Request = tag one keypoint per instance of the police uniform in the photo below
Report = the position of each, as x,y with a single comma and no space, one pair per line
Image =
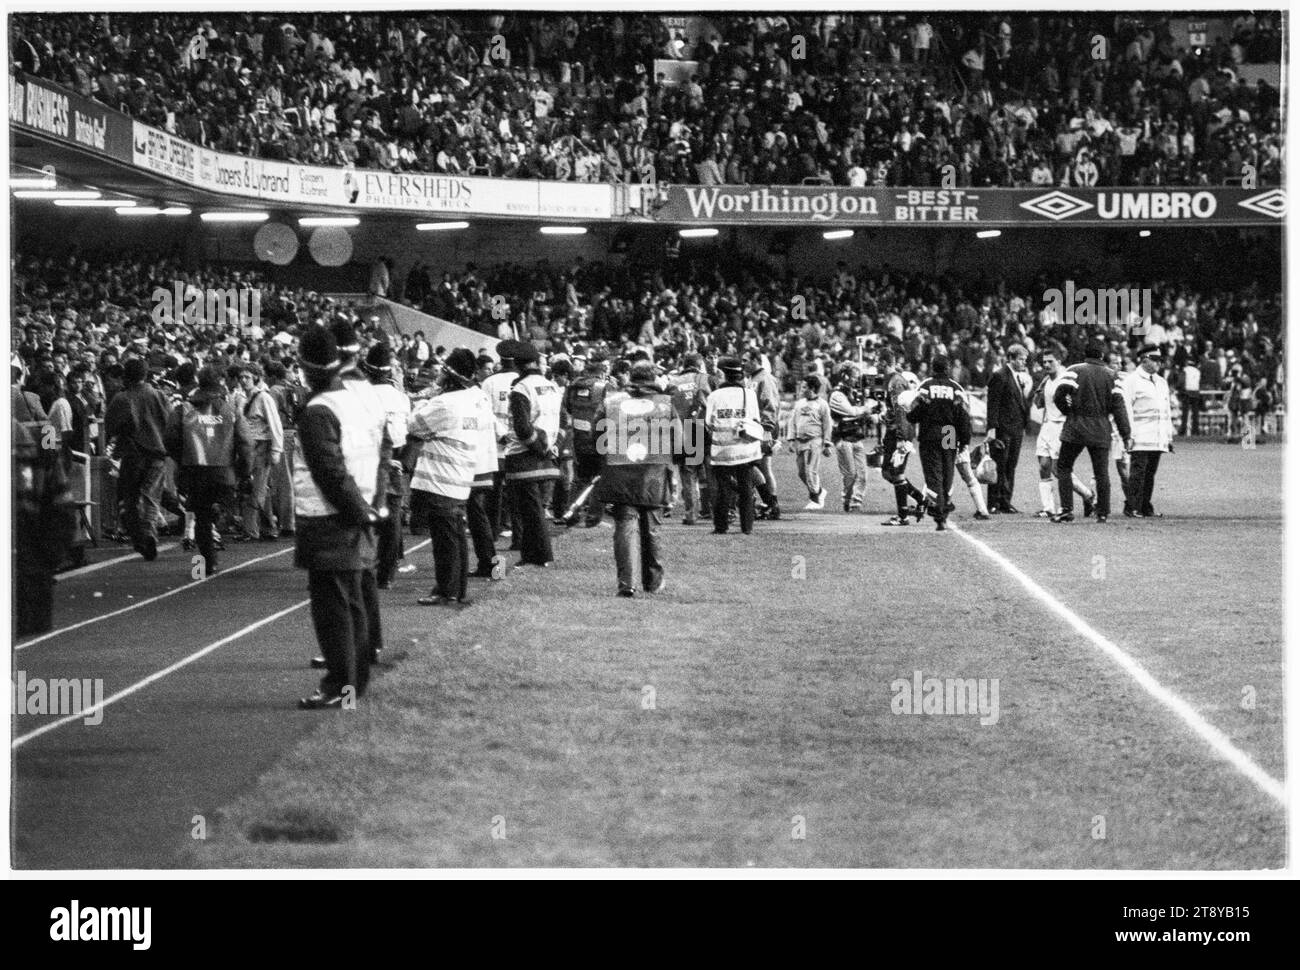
339,478
941,413
1147,397
530,454
1089,396
213,447
396,408
583,400
641,433
448,427
731,419
689,390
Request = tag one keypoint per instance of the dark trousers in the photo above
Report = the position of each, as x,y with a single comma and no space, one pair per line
389,534
139,489
628,521
1192,405
480,527
528,497
1100,455
895,472
585,469
500,509
694,488
938,465
559,503
1006,458
208,502
450,543
342,602
733,481
1142,481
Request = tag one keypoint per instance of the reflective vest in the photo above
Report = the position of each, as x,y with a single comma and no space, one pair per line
585,398
638,430
729,409
207,439
361,435
497,388
544,409
688,389
447,463
485,453
397,411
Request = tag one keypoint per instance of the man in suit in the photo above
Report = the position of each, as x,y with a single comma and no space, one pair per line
1008,413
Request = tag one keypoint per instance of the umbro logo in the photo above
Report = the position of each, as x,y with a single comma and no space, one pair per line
1056,205
1270,203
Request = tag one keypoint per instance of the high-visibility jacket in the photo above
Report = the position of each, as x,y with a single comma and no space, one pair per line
361,428
638,430
1147,397
497,388
449,453
583,399
486,462
729,410
544,410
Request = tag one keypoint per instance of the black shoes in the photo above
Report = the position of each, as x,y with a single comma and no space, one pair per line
321,701
1063,517
148,547
898,520
435,600
939,526
1087,508
1010,510
982,516
1102,519
627,594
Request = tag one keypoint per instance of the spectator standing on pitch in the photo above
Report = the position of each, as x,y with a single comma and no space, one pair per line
641,434
397,411
135,422
769,406
941,412
288,395
1090,398
850,412
339,480
213,448
1008,413
531,451
810,431
447,426
731,420
1146,393
263,417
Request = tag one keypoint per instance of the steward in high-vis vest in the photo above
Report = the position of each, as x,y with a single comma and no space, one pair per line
732,422
212,446
478,507
497,388
340,475
639,435
397,410
530,451
690,393
448,429
582,400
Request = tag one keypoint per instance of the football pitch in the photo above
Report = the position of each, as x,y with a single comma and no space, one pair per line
827,692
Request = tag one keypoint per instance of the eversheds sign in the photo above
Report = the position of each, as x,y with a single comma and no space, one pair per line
448,194
59,113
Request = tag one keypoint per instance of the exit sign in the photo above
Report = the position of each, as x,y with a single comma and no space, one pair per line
1196,34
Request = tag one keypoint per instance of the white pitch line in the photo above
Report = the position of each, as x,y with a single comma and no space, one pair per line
1202,728
82,570
157,675
145,602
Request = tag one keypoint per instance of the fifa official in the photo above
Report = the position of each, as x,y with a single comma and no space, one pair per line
1089,396
339,478
941,413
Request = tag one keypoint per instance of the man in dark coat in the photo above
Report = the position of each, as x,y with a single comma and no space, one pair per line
1008,413
637,435
135,423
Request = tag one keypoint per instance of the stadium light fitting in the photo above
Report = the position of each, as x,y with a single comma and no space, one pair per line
564,230
1144,233
329,221
838,234
438,226
988,234
177,210
46,182
242,215
697,233
95,203
56,194
138,210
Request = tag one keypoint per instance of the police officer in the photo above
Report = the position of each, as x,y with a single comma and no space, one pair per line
690,391
1089,396
213,447
477,516
339,478
641,433
448,428
497,388
582,400
731,419
397,410
1147,394
941,412
531,452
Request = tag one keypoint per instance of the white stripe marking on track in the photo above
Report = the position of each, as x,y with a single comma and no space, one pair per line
1199,726
145,602
104,564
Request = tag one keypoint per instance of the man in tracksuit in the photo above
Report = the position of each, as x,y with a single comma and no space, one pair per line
212,446
810,431
769,406
340,474
941,412
1089,395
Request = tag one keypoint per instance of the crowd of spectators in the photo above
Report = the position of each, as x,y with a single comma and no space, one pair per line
973,99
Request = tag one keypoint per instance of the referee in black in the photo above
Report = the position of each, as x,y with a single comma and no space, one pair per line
941,413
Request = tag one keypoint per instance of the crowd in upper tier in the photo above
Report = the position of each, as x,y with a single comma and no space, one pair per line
966,99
